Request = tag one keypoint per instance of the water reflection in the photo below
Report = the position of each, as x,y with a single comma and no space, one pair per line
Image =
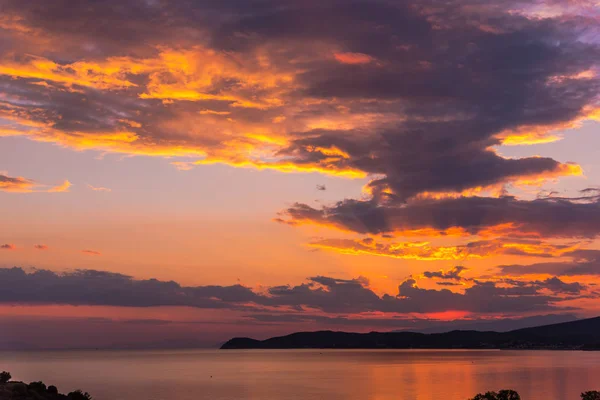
309,374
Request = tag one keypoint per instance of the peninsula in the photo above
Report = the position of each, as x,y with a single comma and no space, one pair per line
576,335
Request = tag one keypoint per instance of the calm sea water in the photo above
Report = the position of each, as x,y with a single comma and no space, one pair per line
309,374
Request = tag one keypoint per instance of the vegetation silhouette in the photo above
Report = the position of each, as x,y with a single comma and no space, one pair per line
593,395
501,395
512,395
10,390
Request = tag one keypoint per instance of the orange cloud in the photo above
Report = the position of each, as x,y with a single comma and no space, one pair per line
23,185
64,187
425,251
8,246
353,58
539,134
190,75
41,247
15,184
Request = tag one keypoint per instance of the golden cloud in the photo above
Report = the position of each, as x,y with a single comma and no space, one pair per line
23,185
425,251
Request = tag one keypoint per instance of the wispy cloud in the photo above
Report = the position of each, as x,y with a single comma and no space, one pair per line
64,187
23,185
98,188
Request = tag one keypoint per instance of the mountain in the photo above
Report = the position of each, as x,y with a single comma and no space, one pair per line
500,325
575,335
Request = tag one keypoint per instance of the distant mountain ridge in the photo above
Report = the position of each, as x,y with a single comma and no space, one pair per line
575,335
500,325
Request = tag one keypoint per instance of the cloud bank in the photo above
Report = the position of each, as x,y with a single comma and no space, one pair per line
325,294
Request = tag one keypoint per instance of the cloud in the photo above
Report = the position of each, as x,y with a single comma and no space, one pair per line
327,294
15,184
41,247
64,187
91,252
8,246
104,288
427,252
583,262
415,95
487,216
99,189
321,187
453,274
555,285
24,185
353,58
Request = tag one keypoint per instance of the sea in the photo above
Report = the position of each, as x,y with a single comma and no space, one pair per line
309,374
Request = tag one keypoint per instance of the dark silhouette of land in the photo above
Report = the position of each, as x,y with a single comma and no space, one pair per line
10,390
576,335
512,395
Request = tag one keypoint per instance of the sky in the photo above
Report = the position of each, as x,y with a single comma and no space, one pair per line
178,173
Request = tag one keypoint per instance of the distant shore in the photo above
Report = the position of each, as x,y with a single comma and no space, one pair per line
575,335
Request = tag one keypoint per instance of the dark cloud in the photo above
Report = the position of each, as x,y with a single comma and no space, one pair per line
546,217
88,287
8,246
452,274
458,88
583,262
434,88
330,295
554,284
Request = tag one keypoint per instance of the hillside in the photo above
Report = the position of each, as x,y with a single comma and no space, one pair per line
575,335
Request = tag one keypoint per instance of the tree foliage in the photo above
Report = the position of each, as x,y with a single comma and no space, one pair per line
79,395
593,395
5,376
501,395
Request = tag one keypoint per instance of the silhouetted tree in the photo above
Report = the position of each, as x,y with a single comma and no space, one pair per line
501,395
39,387
5,376
79,395
52,389
19,388
594,395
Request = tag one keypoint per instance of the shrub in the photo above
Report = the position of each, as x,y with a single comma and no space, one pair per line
39,387
5,376
52,389
501,395
19,388
590,395
79,395
512,395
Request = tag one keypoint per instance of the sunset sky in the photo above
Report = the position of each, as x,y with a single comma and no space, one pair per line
177,173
